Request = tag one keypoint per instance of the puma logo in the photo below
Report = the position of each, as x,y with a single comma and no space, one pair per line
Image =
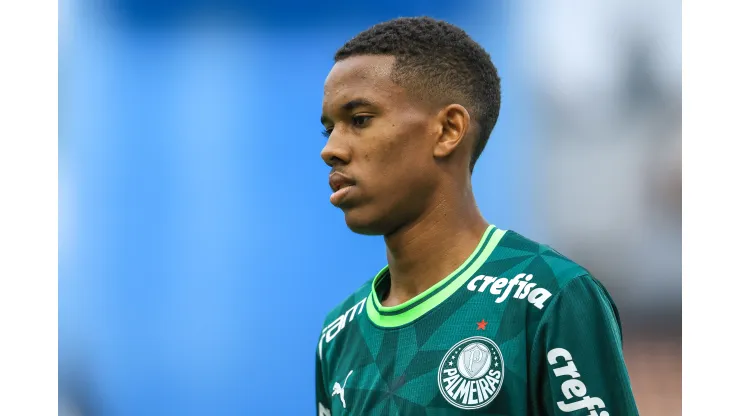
340,389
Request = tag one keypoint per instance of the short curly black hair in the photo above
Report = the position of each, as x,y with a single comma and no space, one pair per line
439,61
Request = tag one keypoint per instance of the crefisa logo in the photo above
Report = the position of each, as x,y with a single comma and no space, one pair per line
471,373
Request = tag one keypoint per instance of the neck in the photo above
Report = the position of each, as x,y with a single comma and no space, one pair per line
425,251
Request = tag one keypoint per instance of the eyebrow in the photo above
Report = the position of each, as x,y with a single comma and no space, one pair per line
349,106
359,102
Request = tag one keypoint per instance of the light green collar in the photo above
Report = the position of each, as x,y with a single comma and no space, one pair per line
413,309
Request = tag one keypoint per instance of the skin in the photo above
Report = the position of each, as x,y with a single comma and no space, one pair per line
408,160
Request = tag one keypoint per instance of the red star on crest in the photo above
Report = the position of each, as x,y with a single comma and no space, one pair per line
482,324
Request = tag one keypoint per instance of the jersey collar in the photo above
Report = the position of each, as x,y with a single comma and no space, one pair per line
413,309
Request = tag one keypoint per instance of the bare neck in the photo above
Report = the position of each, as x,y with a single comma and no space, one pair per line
427,250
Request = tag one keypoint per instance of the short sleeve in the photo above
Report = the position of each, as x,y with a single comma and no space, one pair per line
577,361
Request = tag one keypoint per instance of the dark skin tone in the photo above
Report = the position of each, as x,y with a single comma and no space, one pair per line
403,165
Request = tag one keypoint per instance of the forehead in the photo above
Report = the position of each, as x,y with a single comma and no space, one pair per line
365,76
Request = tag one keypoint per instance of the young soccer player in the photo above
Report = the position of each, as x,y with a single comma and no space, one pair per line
466,318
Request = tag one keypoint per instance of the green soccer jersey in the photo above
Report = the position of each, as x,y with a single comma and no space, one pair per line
518,329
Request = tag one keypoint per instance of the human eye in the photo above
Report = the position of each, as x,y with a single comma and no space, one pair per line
360,120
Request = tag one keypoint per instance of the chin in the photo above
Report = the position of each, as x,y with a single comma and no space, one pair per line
366,222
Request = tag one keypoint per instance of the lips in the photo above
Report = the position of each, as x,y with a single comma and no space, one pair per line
342,187
337,181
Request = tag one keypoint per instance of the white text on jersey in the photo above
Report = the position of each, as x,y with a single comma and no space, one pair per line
572,386
331,331
323,411
525,289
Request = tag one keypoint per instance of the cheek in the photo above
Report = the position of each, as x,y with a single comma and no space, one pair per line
395,156
384,151
401,166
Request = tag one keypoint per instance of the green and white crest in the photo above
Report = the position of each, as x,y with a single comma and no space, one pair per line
471,373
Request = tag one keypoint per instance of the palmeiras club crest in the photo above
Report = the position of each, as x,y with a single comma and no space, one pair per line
471,373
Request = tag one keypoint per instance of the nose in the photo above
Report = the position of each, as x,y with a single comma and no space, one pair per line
335,152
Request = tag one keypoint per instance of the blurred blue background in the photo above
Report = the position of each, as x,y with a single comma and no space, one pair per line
198,252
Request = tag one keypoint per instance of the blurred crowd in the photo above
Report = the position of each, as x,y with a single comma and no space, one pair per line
605,79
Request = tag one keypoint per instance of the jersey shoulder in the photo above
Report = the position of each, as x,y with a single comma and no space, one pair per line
522,268
561,283
341,317
528,279
357,297
542,260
